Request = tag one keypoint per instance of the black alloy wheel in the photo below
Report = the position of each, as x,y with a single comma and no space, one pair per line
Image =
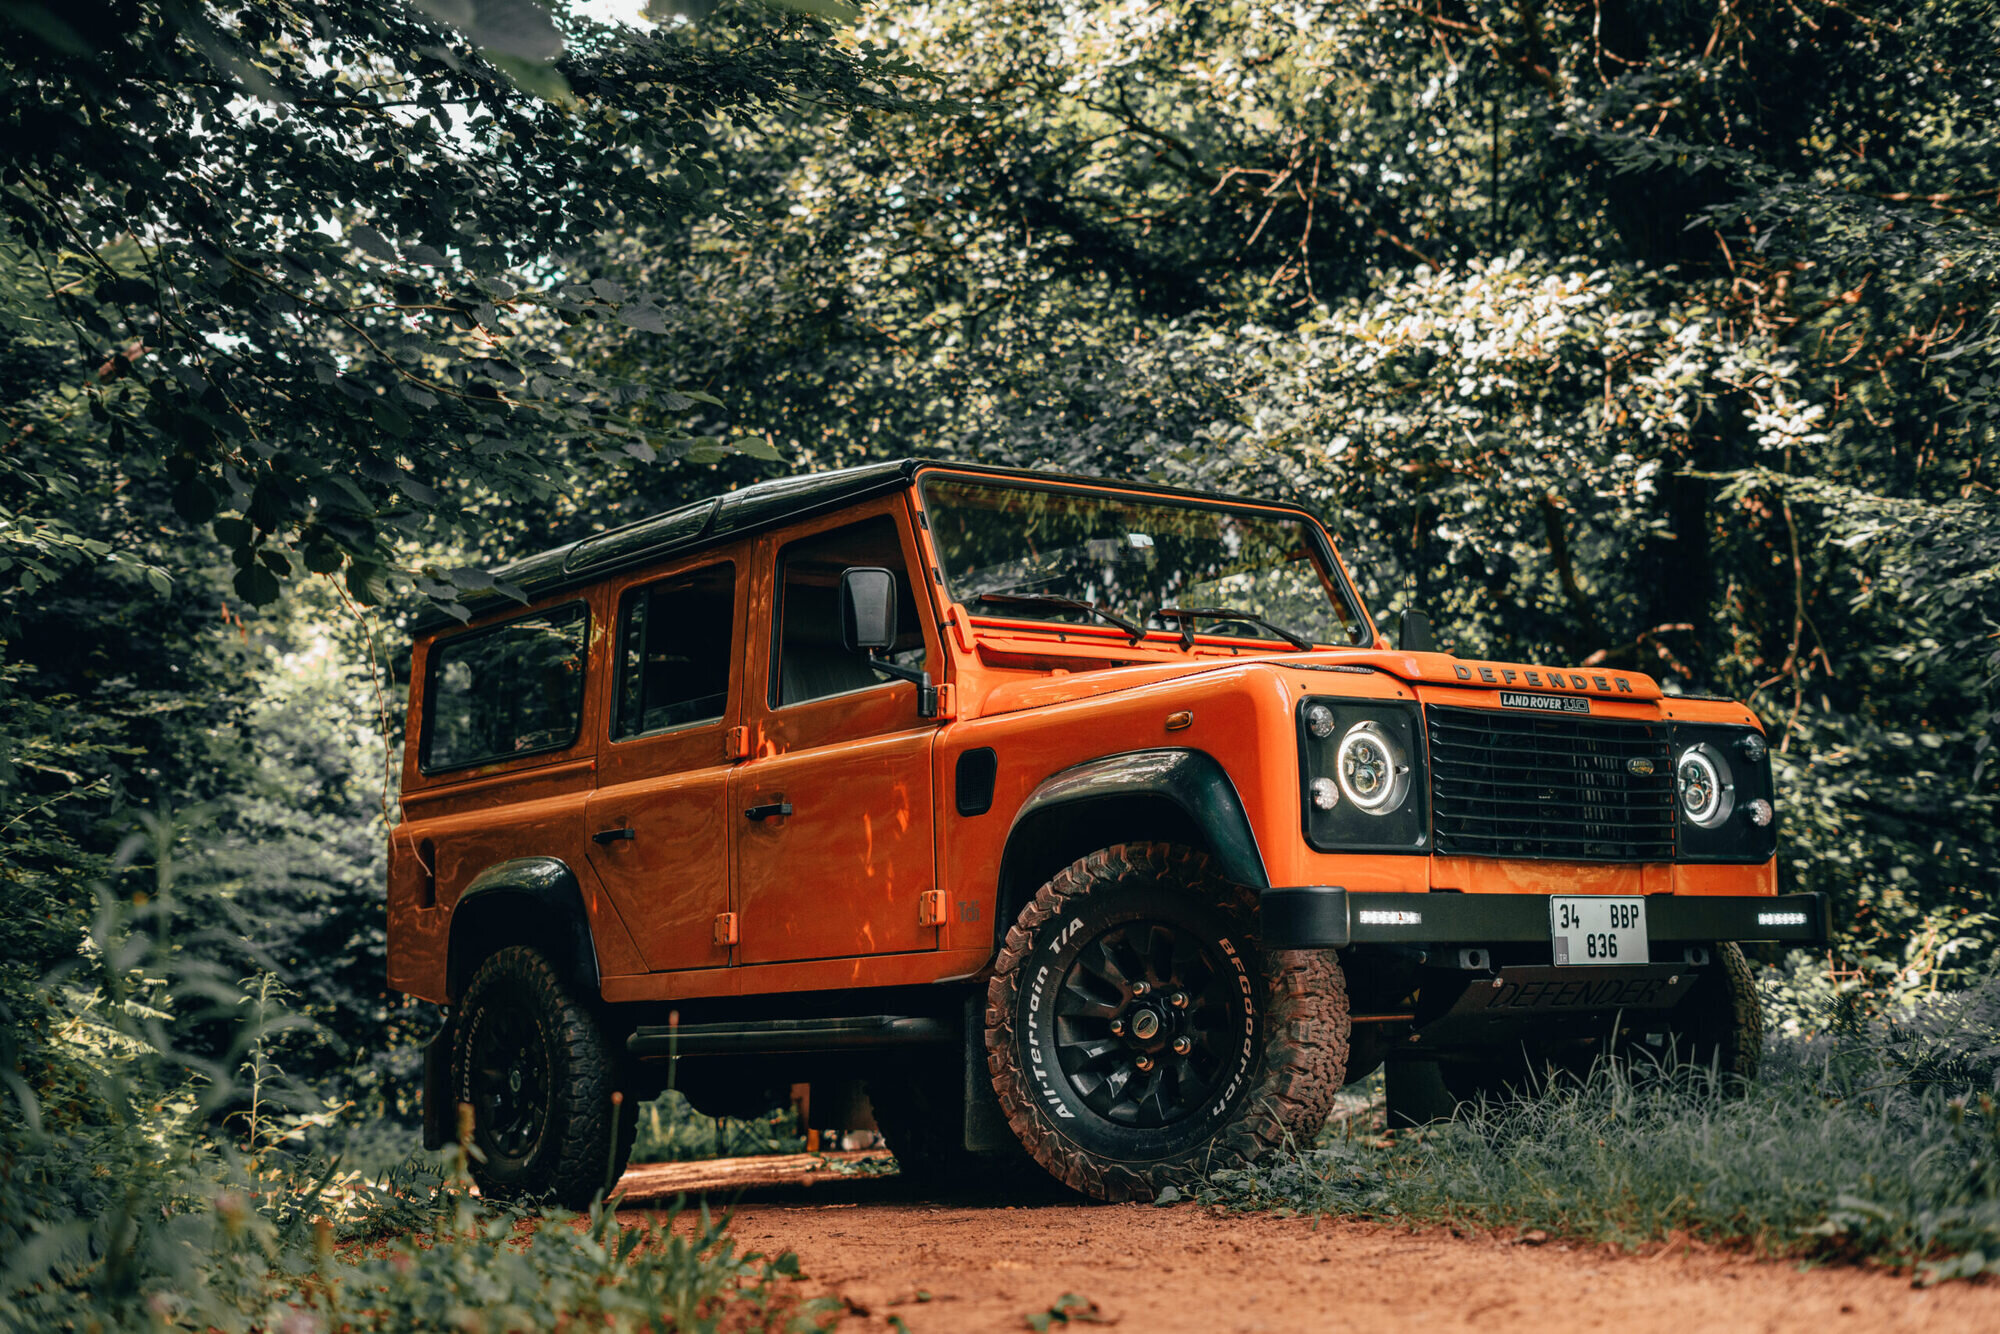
538,1070
1151,1022
510,1078
1138,1038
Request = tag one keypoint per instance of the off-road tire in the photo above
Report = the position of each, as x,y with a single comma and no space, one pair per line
1285,1085
581,1142
1725,1018
922,1122
921,1114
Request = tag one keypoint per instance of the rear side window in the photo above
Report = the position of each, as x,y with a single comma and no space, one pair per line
674,651
512,690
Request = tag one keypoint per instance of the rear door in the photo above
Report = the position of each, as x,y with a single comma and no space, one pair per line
658,822
831,816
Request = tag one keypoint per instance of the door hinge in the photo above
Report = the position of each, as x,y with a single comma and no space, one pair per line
930,908
725,928
736,743
947,701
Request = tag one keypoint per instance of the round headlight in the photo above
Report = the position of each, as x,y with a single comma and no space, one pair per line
1374,773
1707,788
1319,721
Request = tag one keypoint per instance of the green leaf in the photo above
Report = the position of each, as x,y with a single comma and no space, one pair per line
193,501
256,585
644,318
322,557
390,418
372,242
368,583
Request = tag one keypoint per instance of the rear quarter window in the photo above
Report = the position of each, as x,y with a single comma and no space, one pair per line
506,691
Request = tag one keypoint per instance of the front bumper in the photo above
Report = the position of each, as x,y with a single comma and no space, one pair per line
1311,917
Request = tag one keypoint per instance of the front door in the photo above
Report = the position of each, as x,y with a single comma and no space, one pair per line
832,811
659,822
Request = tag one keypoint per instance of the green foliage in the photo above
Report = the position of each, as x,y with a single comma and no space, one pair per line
1879,1140
672,1131
127,1203
383,335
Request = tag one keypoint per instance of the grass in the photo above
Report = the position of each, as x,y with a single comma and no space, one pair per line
672,1131
1877,1141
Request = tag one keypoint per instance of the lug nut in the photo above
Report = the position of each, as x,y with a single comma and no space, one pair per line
1141,989
1144,1063
1178,1000
1182,1046
1117,1028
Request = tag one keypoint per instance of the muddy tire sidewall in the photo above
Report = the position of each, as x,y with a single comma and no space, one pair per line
1283,1067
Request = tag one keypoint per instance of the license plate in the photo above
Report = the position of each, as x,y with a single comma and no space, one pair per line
1593,929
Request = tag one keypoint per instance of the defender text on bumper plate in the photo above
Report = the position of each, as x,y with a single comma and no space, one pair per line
1305,917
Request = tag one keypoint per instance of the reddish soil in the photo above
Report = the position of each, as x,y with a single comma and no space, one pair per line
959,1266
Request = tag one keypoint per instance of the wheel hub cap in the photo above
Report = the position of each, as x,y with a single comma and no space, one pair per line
1148,1019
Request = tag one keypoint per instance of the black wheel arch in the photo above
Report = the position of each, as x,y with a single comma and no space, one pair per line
1177,796
523,901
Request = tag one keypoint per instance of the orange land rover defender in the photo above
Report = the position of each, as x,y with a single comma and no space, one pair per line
1090,821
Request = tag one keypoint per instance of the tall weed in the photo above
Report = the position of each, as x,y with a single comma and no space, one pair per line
1879,1140
145,1183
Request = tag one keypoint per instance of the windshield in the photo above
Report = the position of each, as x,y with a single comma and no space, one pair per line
1041,553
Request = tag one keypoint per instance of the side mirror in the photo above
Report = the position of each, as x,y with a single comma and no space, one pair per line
867,609
1413,633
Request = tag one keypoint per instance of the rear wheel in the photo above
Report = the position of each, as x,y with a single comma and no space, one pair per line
1138,1038
538,1071
920,1111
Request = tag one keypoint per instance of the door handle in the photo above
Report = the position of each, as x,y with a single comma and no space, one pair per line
769,809
610,836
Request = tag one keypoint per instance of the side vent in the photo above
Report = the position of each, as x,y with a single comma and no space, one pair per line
974,785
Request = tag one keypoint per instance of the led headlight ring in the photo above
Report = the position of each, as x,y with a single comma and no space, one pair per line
1372,769
1707,788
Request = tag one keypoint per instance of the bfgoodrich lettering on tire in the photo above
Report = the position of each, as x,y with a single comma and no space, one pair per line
1137,1036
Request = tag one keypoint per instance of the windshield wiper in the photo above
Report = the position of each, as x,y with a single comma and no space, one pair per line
1187,616
1132,628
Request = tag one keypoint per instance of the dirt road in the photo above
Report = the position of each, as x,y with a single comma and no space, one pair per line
967,1266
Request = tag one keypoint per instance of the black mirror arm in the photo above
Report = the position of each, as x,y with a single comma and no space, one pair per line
927,695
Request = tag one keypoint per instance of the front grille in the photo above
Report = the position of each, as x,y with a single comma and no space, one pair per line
1507,784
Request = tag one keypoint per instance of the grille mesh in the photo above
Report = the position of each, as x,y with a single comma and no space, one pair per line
1507,784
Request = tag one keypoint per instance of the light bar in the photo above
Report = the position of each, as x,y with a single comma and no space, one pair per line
1385,917
1781,919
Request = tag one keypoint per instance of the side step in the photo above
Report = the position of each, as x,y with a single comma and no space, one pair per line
768,1037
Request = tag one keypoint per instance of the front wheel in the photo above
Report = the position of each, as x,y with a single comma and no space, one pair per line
538,1072
1137,1036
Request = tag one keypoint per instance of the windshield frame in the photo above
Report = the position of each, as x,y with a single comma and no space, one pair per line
1315,531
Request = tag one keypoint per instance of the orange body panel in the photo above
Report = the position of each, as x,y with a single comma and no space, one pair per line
828,896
